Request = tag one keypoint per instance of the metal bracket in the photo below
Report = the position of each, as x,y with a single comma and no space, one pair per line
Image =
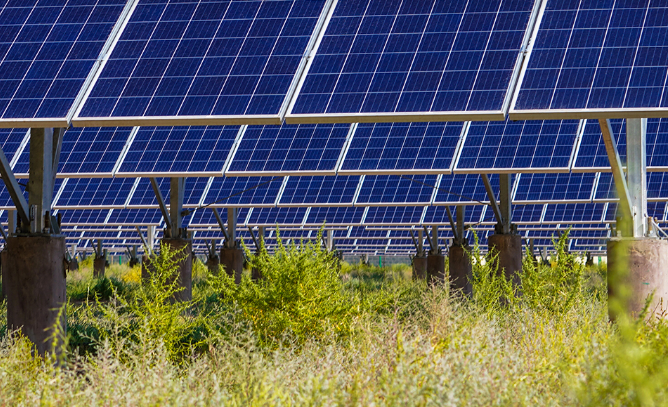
618,175
161,203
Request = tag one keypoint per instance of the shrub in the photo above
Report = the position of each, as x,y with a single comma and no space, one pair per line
554,288
300,295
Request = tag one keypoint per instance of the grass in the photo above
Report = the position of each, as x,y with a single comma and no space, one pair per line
311,334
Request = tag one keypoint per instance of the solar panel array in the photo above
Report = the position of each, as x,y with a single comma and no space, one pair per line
207,86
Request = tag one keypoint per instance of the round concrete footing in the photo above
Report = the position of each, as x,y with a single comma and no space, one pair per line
436,269
419,268
460,269
213,265
99,265
185,272
508,249
34,278
636,269
232,261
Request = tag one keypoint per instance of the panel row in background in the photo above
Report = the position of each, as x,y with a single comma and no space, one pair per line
325,149
339,191
590,222
583,237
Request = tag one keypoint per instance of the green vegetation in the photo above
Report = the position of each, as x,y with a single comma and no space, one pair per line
310,333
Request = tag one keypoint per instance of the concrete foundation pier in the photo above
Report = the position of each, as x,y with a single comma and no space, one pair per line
232,260
34,276
3,262
436,269
509,255
637,267
145,267
99,265
459,265
213,264
185,272
419,268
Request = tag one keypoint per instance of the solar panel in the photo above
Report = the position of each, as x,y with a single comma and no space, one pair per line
273,216
464,188
47,50
392,189
223,62
165,151
438,215
580,212
657,187
402,147
290,149
329,216
433,60
555,187
524,146
244,191
94,150
596,59
394,215
320,190
592,155
80,217
89,192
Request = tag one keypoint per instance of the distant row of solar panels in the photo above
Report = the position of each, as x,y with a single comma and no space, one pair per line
340,191
112,63
329,149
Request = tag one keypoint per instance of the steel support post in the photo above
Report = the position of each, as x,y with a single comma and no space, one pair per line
636,161
638,261
34,270
435,260
176,194
231,256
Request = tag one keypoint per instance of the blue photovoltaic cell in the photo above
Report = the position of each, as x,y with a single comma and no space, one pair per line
592,149
205,216
395,189
92,150
179,149
403,146
136,216
273,216
547,187
427,56
526,213
592,153
144,194
320,190
204,58
77,217
581,212
319,216
306,147
521,144
398,214
222,189
47,49
95,191
438,214
657,186
10,140
465,188
602,54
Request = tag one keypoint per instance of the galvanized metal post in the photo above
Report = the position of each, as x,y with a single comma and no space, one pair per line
330,240
636,131
40,181
505,186
176,206
11,221
150,231
434,239
231,227
420,243
461,212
